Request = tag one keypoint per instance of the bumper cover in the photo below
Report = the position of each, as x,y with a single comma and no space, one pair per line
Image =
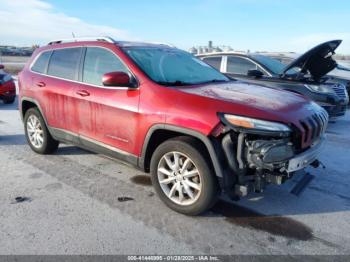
306,158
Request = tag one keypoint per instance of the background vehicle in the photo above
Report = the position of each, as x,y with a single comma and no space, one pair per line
7,87
341,74
305,75
170,114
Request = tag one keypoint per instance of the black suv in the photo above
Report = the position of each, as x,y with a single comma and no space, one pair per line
304,75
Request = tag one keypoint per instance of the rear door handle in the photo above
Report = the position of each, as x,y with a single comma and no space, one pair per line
40,84
83,93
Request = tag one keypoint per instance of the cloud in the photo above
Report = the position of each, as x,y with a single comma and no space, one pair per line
27,22
308,41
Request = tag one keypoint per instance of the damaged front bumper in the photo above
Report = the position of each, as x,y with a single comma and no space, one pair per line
257,161
306,158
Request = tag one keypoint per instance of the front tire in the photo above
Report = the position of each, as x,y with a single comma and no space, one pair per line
37,134
182,177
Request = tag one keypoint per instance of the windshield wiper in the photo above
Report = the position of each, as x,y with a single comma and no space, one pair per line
174,83
213,81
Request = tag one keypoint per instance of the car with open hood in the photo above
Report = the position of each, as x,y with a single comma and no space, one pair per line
161,109
303,75
340,74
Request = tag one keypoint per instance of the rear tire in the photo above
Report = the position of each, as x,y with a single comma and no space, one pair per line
189,185
37,134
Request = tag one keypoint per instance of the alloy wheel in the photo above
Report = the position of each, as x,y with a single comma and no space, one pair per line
35,131
179,178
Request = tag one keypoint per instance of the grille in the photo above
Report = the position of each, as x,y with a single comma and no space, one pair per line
340,90
313,127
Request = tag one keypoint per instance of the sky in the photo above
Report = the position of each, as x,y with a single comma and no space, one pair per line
256,25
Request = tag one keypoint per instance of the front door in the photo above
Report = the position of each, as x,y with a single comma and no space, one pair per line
107,115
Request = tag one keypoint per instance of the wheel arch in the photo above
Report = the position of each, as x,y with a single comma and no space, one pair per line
162,132
27,103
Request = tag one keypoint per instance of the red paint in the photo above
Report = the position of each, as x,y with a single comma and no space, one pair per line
8,89
122,117
116,79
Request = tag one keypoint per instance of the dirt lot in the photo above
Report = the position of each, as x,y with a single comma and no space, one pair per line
71,205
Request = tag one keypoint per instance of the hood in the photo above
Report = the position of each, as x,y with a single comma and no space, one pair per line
250,95
318,60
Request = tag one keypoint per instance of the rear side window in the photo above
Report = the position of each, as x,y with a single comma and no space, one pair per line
99,61
239,65
64,63
41,62
213,61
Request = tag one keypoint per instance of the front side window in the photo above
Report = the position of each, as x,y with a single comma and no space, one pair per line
275,66
213,61
99,61
64,63
41,62
272,64
239,65
171,66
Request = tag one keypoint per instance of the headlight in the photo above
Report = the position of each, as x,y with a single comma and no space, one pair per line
320,89
255,124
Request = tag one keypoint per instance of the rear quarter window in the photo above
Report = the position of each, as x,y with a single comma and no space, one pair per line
64,63
41,62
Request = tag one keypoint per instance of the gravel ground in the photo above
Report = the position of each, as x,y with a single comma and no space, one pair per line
70,205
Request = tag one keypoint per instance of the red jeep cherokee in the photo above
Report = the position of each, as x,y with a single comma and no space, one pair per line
168,113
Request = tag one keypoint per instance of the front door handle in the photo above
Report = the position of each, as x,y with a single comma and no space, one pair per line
40,84
83,93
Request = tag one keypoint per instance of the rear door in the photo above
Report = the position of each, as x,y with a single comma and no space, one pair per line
108,115
54,83
63,72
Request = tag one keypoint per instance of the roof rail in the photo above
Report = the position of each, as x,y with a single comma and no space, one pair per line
80,39
162,43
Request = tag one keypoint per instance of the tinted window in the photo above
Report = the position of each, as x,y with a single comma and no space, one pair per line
64,63
213,61
41,63
275,66
98,62
239,65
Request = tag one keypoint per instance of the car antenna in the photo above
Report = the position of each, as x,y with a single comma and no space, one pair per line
73,35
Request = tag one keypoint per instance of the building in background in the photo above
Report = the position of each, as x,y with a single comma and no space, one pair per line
210,48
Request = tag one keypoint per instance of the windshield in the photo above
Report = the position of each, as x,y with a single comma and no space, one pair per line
170,66
273,65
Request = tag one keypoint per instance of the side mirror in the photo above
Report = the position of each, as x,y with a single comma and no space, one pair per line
2,67
118,79
255,73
